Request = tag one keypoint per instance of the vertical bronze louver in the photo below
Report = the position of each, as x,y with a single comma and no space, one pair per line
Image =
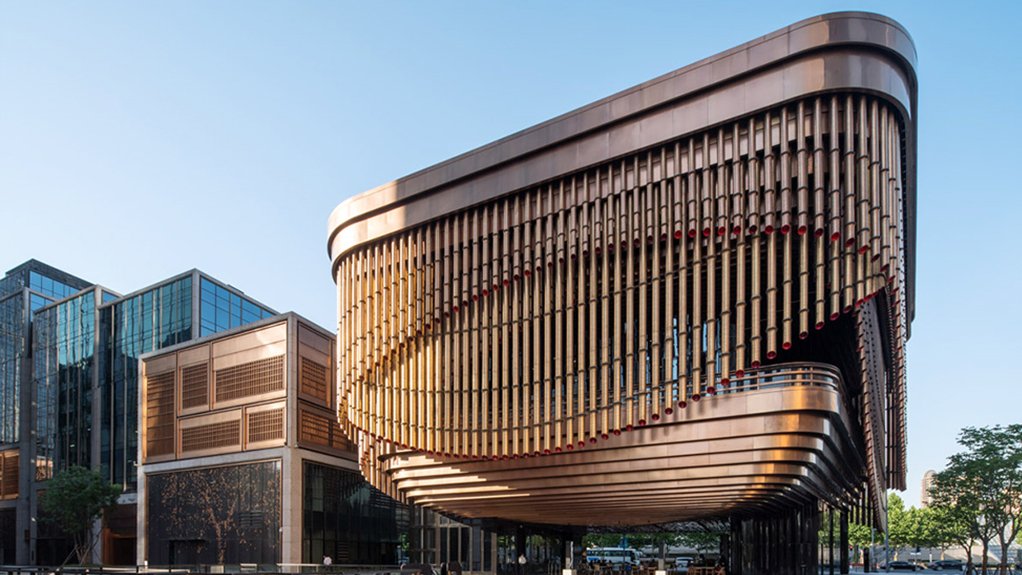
718,318
726,229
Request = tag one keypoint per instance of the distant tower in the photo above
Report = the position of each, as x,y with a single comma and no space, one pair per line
925,499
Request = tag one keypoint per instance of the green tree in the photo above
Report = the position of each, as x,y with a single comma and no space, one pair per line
899,523
951,524
73,500
923,529
859,536
702,541
981,488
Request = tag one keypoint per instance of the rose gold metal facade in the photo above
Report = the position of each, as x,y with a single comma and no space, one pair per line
685,300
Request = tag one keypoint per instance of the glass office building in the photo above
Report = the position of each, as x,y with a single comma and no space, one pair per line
25,289
70,349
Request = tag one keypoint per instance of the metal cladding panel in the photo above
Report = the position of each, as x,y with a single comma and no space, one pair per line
707,226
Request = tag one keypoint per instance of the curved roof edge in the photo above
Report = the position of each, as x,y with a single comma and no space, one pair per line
861,30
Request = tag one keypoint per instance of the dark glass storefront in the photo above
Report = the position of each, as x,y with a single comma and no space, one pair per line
346,518
217,515
7,532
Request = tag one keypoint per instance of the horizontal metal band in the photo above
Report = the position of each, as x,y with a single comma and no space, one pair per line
756,450
845,53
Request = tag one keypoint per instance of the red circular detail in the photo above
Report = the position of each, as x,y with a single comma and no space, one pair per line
849,242
570,446
546,452
591,440
740,373
617,432
752,230
768,230
721,230
846,309
692,233
605,436
819,325
864,249
834,316
557,449
786,345
669,411
818,233
724,381
755,364
656,417
706,232
475,297
642,422
785,229
835,236
803,334
506,282
710,390
628,427
695,397
802,230
682,404
771,354
677,234
528,273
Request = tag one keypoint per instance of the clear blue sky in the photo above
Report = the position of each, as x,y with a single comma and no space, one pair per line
138,140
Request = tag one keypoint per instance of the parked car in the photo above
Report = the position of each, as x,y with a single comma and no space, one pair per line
901,566
947,565
681,564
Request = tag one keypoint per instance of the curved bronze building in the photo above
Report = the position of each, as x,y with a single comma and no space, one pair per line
686,301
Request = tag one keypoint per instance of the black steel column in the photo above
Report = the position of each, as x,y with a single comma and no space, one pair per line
844,543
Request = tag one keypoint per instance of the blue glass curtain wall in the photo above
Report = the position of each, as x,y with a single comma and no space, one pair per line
12,343
222,309
151,320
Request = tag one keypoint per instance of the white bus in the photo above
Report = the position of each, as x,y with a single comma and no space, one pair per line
613,555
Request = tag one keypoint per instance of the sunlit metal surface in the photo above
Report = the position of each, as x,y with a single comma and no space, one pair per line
544,319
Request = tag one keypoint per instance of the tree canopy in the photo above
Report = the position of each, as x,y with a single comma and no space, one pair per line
73,499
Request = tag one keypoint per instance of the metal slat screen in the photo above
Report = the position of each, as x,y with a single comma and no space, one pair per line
160,414
265,425
195,386
313,380
249,379
211,436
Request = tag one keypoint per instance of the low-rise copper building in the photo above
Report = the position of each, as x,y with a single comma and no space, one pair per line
687,301
243,460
